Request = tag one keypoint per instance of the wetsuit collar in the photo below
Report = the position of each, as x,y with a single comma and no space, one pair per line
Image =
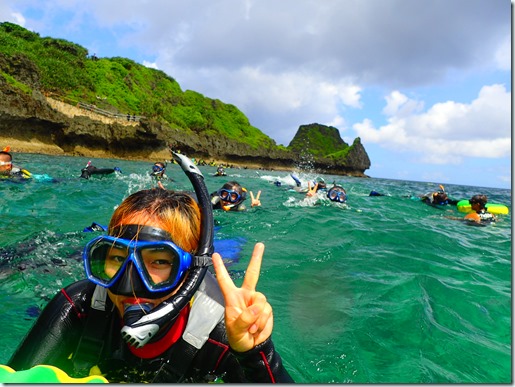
154,349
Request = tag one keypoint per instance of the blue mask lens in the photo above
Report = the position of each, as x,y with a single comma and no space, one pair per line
337,196
160,264
157,168
230,196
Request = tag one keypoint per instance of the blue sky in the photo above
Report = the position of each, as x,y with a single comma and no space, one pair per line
426,85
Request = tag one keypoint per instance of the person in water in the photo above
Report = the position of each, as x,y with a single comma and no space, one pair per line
159,171
90,170
438,198
151,311
480,214
8,170
315,186
220,171
230,197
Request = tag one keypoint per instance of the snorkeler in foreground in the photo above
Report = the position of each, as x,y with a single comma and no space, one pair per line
150,311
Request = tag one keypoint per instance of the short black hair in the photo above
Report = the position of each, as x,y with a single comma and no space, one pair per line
481,199
6,153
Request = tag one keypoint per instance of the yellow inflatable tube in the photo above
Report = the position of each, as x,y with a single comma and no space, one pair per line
44,374
497,209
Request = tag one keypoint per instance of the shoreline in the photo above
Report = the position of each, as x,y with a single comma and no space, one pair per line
35,146
38,147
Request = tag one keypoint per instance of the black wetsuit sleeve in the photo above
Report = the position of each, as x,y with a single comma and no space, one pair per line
55,334
263,364
216,202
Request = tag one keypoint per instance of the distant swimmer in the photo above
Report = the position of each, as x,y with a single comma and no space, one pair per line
159,171
7,170
231,197
438,198
220,171
90,170
480,214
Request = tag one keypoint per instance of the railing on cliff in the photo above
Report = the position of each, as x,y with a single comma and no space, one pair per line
94,109
107,113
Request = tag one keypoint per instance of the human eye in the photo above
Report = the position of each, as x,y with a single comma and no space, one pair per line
158,258
116,255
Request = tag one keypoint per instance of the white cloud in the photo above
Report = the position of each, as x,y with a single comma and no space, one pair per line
397,104
18,18
151,65
448,131
277,103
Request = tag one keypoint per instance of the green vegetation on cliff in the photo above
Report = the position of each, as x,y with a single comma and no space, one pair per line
123,86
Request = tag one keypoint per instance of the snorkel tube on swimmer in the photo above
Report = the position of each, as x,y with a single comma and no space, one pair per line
140,332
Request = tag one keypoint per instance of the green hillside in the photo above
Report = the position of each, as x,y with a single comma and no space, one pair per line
120,85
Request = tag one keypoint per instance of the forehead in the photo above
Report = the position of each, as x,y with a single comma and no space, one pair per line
5,157
142,220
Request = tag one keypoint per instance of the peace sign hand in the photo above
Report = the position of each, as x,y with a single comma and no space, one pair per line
312,192
248,315
255,201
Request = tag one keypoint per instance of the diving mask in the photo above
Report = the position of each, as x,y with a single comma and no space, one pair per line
161,264
337,194
157,169
229,195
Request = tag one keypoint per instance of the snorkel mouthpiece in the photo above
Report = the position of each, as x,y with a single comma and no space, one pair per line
137,336
134,312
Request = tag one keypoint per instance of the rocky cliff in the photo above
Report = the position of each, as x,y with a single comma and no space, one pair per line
329,151
37,123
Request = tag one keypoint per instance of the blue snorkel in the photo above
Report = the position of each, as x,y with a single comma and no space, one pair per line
140,331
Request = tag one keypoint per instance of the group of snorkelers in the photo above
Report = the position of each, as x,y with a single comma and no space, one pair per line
231,196
336,193
10,171
479,214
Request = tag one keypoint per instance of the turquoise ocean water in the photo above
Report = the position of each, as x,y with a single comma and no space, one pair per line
383,290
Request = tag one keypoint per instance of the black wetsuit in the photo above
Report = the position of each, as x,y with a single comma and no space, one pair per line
62,324
17,174
92,170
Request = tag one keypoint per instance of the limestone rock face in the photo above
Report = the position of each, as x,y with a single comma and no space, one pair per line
52,126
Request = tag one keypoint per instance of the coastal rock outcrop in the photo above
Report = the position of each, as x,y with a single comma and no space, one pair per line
49,125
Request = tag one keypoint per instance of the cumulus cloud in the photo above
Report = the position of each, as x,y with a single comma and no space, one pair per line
448,131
